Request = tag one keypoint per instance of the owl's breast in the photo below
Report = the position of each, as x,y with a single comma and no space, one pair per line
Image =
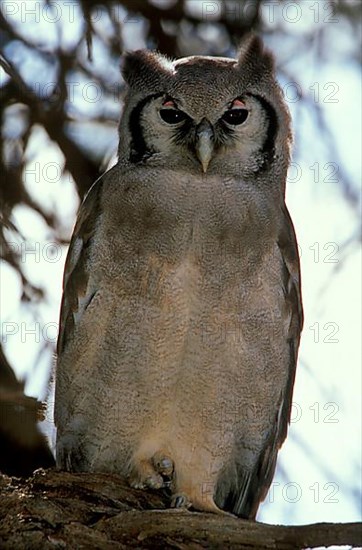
193,264
168,213
174,235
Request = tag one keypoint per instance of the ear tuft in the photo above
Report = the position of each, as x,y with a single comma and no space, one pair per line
142,68
252,52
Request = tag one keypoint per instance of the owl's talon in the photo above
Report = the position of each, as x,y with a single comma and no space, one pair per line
180,501
163,465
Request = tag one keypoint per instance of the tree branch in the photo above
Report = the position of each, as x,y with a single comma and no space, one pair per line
83,170
101,511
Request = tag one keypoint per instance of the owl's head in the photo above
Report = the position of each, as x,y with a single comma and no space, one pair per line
205,114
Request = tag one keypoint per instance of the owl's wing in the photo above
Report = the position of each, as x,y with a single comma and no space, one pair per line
293,301
76,273
250,489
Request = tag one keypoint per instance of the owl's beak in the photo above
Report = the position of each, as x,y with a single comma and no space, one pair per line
204,143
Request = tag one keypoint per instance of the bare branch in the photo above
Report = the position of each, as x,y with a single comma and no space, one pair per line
101,511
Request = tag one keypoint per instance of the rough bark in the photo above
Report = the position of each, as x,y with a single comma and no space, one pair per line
22,446
58,509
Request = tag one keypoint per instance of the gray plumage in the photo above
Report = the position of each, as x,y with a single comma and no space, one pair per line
181,312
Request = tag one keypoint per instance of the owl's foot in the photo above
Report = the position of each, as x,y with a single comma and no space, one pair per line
152,474
163,464
180,500
145,476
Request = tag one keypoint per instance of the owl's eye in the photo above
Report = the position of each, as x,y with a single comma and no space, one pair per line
172,116
235,116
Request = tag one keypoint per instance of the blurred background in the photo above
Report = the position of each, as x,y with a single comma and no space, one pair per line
61,98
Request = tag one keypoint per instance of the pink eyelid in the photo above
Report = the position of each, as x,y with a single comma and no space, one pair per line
168,103
238,103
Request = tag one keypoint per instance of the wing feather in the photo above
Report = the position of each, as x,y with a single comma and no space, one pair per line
250,488
76,274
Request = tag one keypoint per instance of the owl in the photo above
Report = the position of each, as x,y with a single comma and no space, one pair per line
181,313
